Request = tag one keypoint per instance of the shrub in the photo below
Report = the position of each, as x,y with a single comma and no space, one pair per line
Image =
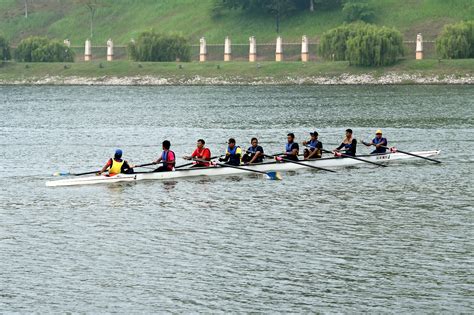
373,46
333,43
4,49
362,44
42,49
456,41
151,46
356,10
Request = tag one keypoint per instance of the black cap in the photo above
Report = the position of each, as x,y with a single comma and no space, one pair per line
315,133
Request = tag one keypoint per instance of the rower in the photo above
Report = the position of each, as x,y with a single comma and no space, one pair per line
292,148
314,147
348,145
201,153
379,142
233,154
254,153
116,165
167,158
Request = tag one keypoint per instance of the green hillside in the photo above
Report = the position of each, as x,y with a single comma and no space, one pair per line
122,20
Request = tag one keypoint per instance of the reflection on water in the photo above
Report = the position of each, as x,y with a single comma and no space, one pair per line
364,239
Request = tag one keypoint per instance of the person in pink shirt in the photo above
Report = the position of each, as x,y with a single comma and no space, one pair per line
167,157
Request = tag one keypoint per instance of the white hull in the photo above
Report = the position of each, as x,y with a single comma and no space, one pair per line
327,162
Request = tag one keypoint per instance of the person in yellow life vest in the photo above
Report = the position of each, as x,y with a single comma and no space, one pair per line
233,154
116,165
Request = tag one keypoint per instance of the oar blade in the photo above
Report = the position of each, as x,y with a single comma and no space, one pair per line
61,174
274,176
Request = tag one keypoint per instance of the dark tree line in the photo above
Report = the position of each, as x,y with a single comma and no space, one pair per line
278,8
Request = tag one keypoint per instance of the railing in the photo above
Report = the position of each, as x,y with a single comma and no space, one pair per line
240,52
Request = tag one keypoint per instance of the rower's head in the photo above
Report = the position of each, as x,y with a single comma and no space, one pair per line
348,133
200,143
378,134
166,145
254,142
118,154
314,135
291,137
231,143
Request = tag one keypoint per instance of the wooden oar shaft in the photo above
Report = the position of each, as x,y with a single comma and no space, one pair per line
356,158
303,164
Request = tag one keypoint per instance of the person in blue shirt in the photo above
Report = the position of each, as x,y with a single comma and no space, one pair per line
379,142
348,145
314,147
292,148
254,153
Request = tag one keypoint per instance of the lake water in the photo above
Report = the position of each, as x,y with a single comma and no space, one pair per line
365,239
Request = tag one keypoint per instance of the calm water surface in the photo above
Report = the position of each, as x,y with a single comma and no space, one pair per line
365,239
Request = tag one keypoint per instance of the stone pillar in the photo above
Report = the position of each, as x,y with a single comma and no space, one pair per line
304,49
67,42
202,50
279,50
227,49
419,47
253,49
88,51
110,50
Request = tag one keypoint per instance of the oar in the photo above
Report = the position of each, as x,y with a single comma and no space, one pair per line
92,172
356,158
187,164
270,175
300,163
405,152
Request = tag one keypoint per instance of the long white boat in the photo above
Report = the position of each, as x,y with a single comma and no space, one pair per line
325,162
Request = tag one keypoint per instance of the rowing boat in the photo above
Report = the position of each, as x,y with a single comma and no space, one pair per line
217,170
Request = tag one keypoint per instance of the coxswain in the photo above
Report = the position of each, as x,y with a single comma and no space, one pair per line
233,154
292,148
348,145
379,142
314,147
167,158
116,165
254,153
201,153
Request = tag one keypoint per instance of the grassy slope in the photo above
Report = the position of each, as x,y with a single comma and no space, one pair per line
124,19
233,70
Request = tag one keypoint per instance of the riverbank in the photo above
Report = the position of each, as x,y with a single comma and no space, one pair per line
236,73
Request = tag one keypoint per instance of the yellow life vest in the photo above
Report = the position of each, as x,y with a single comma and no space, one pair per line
116,167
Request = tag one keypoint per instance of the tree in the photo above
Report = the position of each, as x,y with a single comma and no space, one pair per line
42,49
151,46
362,44
26,9
92,6
4,49
357,10
456,41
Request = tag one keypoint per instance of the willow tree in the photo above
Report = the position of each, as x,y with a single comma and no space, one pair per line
456,41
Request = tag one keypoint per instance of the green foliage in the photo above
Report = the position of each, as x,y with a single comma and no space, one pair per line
333,43
4,49
357,10
374,46
151,46
42,49
362,45
456,41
